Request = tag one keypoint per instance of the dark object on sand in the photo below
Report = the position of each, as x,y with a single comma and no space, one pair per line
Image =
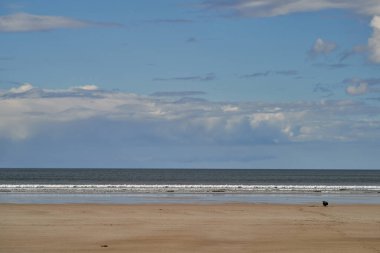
104,246
325,203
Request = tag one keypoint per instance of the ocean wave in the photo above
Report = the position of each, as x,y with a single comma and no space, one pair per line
180,188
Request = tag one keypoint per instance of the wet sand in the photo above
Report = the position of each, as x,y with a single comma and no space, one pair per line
189,228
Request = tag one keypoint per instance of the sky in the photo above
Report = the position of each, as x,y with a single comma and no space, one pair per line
277,84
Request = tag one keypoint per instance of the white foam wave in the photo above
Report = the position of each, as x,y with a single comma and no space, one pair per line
194,188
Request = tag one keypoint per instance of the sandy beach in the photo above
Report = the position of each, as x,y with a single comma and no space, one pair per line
189,228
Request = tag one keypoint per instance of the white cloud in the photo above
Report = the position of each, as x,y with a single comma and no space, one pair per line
358,86
357,89
88,87
21,89
24,22
322,47
374,40
230,108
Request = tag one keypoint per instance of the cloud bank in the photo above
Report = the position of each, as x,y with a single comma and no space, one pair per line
25,110
86,126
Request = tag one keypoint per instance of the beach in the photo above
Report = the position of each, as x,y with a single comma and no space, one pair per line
189,227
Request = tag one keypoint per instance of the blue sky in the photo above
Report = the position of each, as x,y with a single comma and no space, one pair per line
193,84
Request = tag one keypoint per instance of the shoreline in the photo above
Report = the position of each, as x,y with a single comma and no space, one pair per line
201,227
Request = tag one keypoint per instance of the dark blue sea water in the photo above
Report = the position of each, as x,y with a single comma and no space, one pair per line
178,185
190,176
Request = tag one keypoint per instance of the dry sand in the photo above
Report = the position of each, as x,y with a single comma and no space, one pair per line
189,228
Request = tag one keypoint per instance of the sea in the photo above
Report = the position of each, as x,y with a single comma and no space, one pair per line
140,186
